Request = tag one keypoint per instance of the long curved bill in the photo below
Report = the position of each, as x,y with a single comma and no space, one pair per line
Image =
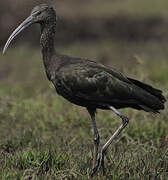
27,22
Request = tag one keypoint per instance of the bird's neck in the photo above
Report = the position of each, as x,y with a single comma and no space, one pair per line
47,39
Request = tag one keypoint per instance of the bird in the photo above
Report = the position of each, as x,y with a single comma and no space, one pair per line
87,83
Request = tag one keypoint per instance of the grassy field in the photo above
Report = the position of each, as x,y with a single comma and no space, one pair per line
43,136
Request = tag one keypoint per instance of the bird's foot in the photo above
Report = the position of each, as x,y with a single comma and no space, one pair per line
99,164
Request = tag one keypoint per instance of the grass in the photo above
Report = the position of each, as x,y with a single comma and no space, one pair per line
43,136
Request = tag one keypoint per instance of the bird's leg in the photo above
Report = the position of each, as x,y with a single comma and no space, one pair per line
100,158
96,136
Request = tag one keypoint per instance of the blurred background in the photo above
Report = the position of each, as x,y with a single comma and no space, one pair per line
116,31
93,19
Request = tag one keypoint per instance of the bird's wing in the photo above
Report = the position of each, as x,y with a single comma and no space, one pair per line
88,83
96,83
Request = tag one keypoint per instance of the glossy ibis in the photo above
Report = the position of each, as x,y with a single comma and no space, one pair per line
87,83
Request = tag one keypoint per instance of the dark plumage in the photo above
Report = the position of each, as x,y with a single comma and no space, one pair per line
89,84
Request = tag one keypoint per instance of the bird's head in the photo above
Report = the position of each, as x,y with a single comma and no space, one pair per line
42,14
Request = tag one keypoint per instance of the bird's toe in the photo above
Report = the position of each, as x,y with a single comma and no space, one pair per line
99,164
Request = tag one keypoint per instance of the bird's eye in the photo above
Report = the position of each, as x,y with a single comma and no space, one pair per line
39,12
36,13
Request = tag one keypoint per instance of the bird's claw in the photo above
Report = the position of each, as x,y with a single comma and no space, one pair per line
99,164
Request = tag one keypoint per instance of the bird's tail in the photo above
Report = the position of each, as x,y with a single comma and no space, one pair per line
158,103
